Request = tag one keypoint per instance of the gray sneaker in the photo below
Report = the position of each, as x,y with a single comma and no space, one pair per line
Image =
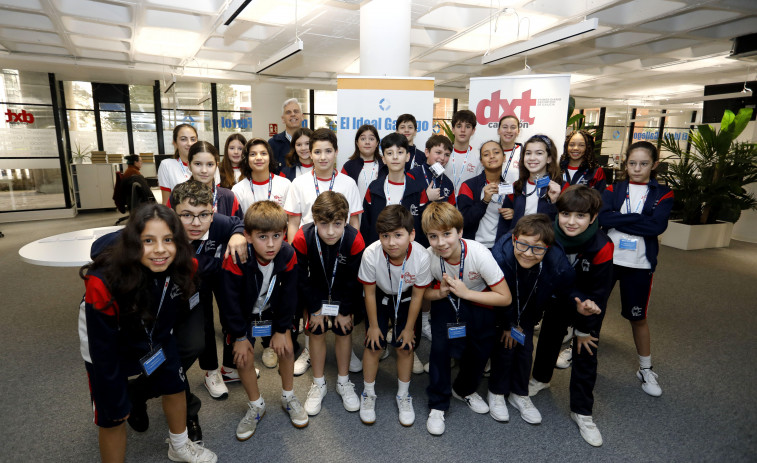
297,413
246,427
191,452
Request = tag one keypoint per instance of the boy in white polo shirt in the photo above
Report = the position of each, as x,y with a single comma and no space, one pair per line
463,162
395,273
470,289
306,188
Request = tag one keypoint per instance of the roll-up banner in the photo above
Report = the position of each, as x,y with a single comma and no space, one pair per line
378,101
539,101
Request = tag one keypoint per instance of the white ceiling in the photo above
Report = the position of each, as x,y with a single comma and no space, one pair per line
643,49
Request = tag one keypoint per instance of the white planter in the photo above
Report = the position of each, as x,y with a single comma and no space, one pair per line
687,237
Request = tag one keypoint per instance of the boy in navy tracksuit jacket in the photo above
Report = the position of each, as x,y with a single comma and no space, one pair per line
329,252
393,186
536,270
258,299
590,252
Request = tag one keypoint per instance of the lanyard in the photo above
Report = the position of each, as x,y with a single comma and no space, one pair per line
315,181
428,182
577,182
336,261
386,191
199,249
458,176
517,292
536,188
509,160
184,171
270,186
215,199
398,299
368,179
463,247
267,294
160,305
641,201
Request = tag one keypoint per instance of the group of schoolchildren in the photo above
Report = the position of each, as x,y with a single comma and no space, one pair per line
476,251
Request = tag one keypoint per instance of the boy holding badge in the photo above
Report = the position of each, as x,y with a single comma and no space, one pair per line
258,299
469,287
395,273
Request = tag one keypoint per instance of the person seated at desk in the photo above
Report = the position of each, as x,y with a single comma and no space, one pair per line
131,176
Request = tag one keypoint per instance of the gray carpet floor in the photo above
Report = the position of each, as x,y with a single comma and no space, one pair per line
703,319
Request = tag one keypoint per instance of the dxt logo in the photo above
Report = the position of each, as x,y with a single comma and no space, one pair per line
23,116
497,106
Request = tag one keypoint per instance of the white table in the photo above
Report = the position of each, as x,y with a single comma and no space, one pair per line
65,250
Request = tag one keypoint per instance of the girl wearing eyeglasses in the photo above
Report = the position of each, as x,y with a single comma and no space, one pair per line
635,213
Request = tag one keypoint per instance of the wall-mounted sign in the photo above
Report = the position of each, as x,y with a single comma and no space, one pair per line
273,129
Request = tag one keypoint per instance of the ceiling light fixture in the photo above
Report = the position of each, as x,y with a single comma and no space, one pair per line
280,56
233,10
542,40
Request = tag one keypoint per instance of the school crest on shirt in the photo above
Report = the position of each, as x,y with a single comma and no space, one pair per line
175,291
409,278
210,245
341,259
470,168
414,209
278,199
446,192
636,311
585,265
472,276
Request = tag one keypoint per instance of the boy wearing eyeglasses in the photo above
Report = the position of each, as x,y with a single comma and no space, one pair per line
535,271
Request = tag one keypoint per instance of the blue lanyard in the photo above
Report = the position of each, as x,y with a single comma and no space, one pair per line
536,188
398,299
336,261
458,176
517,292
463,247
628,200
315,181
509,160
184,171
577,182
270,187
160,305
215,199
433,179
199,249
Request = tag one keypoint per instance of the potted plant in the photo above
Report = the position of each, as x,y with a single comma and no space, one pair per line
708,183
79,154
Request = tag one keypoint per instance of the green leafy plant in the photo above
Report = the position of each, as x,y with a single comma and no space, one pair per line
79,154
709,181
447,130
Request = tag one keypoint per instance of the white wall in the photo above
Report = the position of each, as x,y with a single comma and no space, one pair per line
267,99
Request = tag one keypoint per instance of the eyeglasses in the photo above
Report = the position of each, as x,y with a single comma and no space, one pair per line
203,217
535,250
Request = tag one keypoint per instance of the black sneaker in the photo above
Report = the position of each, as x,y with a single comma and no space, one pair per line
194,431
138,418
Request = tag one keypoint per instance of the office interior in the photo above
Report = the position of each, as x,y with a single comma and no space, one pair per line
88,76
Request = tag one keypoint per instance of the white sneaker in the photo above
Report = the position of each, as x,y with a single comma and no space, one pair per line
649,383
270,359
248,424
314,399
215,386
426,330
528,412
191,452
426,366
568,335
385,354
349,398
297,414
435,422
302,363
565,359
229,375
498,407
474,401
406,412
417,364
588,429
535,386
488,368
367,408
356,365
